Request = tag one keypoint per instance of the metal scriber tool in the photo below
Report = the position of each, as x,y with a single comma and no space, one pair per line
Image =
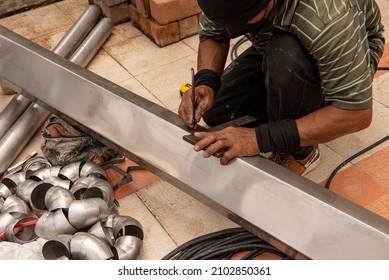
193,97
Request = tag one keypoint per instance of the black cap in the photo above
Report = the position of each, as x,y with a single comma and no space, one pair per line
232,14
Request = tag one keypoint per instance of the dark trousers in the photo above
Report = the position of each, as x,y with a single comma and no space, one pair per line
283,83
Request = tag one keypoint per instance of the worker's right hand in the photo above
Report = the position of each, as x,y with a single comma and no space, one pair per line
203,101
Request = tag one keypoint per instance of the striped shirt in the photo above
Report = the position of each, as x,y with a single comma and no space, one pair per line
345,37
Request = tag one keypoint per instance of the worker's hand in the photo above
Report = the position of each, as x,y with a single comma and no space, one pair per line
204,101
234,141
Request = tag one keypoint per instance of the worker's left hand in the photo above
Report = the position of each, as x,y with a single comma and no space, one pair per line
234,141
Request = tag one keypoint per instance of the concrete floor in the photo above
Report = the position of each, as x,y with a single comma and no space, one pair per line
170,217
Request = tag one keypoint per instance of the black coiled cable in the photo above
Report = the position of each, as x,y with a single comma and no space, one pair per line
223,244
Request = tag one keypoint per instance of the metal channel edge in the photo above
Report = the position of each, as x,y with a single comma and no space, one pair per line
293,213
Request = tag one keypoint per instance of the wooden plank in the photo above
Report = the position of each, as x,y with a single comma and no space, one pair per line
182,216
157,243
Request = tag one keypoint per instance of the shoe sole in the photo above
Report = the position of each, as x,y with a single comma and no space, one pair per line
312,166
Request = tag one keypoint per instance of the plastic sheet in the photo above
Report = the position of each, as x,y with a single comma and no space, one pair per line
28,251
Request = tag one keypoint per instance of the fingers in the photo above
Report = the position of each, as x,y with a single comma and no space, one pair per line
185,109
228,143
213,144
204,100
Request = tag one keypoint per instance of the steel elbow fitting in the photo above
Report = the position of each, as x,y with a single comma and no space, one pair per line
57,197
15,205
44,173
52,224
86,246
102,232
80,169
90,169
56,181
5,191
80,186
5,220
21,235
37,198
125,225
57,248
25,188
11,181
127,247
86,212
102,189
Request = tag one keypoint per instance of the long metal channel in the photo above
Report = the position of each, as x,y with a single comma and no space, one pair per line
65,48
293,213
13,142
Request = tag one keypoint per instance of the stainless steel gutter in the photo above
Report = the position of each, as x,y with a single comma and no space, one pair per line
29,122
296,215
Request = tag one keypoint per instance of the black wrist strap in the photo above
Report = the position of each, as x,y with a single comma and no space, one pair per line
209,78
278,136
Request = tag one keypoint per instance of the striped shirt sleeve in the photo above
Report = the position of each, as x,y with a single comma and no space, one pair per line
209,29
345,38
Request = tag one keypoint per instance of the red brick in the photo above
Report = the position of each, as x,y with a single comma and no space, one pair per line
117,12
167,11
189,26
139,21
164,35
143,7
161,35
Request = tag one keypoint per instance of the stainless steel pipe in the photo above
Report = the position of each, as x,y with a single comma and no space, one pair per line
65,48
25,127
87,50
77,33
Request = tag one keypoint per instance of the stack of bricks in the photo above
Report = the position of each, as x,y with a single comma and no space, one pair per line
165,21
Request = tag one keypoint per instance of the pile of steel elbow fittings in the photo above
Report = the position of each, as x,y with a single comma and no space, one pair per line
73,208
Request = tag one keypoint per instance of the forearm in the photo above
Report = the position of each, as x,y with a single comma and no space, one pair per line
329,123
212,55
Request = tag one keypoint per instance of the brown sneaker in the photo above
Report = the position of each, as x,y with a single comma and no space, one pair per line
300,167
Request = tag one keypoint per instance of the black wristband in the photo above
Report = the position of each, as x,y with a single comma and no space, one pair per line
278,136
209,78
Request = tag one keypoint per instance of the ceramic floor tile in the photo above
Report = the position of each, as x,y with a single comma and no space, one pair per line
140,55
384,8
384,62
105,66
4,99
380,88
380,206
192,42
121,34
182,216
357,186
30,25
165,82
72,8
51,40
348,145
136,87
377,167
